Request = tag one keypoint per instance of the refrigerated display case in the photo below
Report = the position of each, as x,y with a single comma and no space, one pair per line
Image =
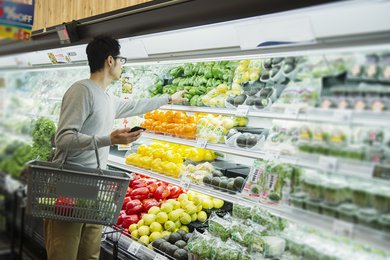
288,113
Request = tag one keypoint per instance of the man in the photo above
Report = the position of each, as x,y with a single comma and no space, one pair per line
88,112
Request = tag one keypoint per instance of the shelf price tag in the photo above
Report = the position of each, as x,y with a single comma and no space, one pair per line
133,248
342,228
242,111
294,111
201,143
328,163
159,257
344,116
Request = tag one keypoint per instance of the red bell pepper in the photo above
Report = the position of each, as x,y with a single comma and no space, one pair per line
152,187
138,184
64,206
139,193
133,207
148,203
129,190
150,181
161,193
122,214
125,201
175,191
129,219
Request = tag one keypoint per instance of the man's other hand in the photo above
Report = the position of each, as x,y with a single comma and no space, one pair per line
123,136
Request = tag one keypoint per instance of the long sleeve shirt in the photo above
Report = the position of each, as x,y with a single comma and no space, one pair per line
87,110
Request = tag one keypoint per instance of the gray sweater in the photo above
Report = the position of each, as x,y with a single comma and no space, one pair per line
87,110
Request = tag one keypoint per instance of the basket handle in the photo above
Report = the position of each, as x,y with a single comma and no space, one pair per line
96,153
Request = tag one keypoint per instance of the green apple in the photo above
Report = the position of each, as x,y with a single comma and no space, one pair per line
133,227
207,204
178,223
190,208
199,208
166,207
182,197
175,215
185,219
162,217
218,203
144,231
149,219
165,233
154,236
154,210
202,216
169,226
135,234
194,217
141,223
156,227
185,228
144,239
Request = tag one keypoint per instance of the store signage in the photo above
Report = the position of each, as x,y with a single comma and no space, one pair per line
58,57
328,164
133,248
16,19
242,111
201,143
382,172
342,228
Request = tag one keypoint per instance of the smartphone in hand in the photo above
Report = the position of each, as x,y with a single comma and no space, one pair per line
136,128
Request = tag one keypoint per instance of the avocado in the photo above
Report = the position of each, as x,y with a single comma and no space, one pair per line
277,60
259,103
180,254
217,173
238,182
187,237
174,237
231,132
216,181
241,141
230,100
180,244
250,101
268,63
265,76
289,60
274,71
207,179
156,243
251,140
164,246
166,238
230,186
288,68
224,178
239,100
171,249
223,184
253,91
181,232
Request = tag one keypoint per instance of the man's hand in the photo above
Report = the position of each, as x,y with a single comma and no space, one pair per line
122,136
178,97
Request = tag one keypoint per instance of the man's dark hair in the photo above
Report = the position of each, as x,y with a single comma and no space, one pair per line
98,51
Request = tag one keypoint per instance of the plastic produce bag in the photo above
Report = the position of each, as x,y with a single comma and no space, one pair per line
241,212
220,227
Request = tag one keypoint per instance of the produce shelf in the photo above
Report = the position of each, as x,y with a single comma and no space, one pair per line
323,163
356,232
365,118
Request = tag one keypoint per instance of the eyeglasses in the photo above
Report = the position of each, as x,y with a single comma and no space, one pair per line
121,59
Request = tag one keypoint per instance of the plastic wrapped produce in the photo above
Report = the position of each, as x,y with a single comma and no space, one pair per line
367,217
334,192
219,227
274,246
312,185
347,212
241,212
382,199
384,222
298,199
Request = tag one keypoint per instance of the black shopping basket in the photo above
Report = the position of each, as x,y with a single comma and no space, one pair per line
74,193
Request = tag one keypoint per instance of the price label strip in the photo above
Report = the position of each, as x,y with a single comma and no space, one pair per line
133,248
242,111
328,163
159,257
201,143
344,116
343,228
294,111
